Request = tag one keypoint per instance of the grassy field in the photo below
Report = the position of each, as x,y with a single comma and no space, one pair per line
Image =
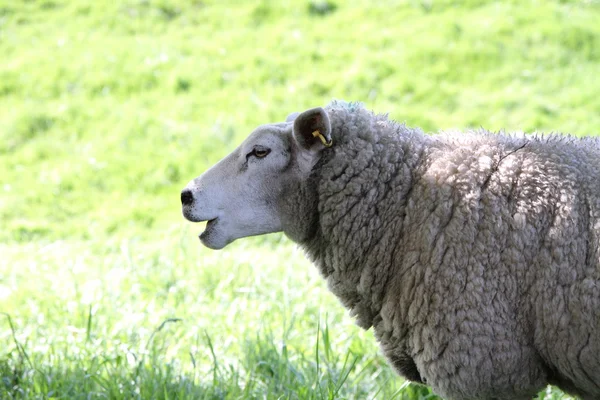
107,109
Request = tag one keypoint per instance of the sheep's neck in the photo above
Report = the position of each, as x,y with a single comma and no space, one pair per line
361,213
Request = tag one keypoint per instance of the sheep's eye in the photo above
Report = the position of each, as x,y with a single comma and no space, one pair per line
260,153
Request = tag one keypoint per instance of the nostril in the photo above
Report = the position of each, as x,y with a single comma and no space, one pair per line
187,197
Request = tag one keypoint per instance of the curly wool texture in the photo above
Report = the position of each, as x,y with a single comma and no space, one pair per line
474,256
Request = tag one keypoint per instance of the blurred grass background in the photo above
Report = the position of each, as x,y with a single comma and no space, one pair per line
107,109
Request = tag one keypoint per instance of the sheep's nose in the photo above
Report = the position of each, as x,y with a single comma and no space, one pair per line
187,197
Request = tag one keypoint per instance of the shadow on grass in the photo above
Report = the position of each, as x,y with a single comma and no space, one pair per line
266,369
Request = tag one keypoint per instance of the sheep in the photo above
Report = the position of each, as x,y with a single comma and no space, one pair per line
475,257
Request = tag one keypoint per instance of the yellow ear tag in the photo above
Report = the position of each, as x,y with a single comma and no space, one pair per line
318,134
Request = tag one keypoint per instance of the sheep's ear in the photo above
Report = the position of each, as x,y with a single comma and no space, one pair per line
312,128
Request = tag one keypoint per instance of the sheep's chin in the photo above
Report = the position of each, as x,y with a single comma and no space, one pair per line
213,237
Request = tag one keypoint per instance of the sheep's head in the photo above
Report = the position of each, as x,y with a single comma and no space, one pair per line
252,191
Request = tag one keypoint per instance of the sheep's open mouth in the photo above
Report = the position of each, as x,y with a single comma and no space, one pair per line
209,226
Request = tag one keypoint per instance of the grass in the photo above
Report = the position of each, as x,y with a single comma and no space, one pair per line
107,109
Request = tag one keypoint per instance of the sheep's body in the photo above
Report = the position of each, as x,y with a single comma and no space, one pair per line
475,257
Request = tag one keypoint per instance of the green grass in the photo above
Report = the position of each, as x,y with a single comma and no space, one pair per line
107,109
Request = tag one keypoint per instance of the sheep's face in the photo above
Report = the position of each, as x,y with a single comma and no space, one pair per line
246,193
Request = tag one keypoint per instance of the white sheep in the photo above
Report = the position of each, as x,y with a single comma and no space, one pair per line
475,257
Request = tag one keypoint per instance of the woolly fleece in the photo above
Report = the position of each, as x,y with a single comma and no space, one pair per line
474,256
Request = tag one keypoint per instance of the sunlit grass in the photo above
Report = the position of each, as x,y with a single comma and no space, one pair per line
138,324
